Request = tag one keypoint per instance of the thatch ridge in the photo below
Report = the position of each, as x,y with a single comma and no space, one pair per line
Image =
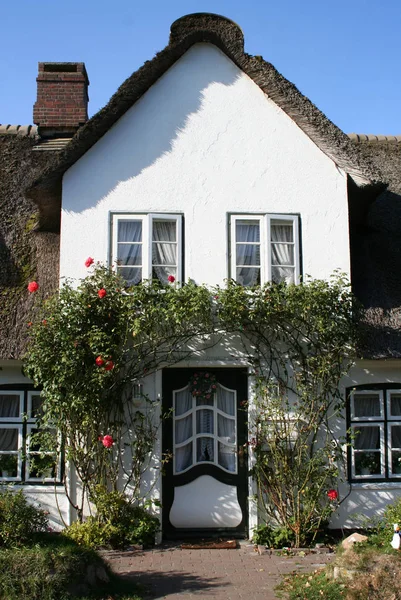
226,35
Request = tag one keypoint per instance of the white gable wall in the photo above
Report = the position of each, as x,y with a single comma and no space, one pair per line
205,141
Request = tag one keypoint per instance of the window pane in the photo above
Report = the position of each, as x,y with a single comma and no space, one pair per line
204,421
203,401
227,457
183,458
280,274
129,231
281,232
164,254
247,231
395,405
183,429
9,439
226,429
9,465
248,254
282,254
367,438
396,436
129,254
367,463
396,463
164,231
132,275
366,405
204,450
36,406
9,406
248,276
183,402
226,401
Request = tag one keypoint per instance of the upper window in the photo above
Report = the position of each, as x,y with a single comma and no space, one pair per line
147,247
264,248
21,458
375,427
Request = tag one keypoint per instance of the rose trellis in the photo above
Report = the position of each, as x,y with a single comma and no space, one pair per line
89,345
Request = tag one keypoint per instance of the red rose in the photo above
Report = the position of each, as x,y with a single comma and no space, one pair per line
109,365
44,322
30,324
33,286
99,361
107,441
171,278
102,293
332,495
89,261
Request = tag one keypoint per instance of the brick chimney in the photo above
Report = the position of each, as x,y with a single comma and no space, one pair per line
62,101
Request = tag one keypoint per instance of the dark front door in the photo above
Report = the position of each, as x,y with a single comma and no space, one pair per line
205,481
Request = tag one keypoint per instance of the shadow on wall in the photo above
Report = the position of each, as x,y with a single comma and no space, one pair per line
148,130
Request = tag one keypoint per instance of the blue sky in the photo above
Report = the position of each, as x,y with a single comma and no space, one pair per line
343,54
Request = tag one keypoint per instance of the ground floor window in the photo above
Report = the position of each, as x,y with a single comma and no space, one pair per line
374,419
22,458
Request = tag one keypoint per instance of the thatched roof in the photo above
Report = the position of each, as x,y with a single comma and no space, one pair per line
24,254
29,240
376,252
227,36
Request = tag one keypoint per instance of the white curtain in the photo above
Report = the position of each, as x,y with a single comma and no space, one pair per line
9,406
395,405
367,438
366,405
247,253
164,249
129,251
183,457
9,440
226,428
282,248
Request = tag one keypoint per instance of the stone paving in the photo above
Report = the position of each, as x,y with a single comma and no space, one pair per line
170,572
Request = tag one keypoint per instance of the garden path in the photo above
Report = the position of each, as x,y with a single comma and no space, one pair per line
169,572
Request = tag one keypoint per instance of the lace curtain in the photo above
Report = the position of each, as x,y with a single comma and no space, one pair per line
248,252
207,437
164,249
282,248
129,251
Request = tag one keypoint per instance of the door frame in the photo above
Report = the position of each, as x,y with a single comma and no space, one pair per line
233,378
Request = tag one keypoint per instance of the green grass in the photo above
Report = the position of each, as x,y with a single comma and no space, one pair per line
311,586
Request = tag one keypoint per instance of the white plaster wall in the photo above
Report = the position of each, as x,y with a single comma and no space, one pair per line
205,141
368,499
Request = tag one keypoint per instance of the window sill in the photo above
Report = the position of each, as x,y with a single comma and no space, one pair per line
376,485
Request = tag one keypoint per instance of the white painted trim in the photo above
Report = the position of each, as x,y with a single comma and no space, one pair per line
378,393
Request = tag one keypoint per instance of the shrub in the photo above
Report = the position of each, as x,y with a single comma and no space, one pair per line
19,520
117,524
273,537
48,570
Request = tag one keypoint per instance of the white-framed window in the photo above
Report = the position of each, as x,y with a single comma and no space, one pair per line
375,428
21,460
264,248
147,246
205,429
